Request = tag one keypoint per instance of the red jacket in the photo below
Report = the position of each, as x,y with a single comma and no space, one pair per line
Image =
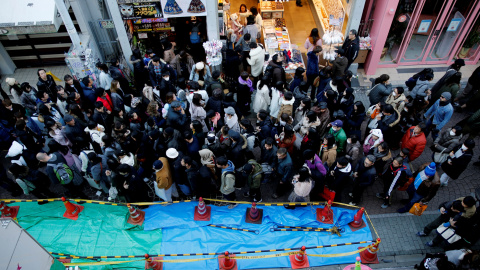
287,143
414,144
107,102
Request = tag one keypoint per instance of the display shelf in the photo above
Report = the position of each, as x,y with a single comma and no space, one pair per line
271,10
322,13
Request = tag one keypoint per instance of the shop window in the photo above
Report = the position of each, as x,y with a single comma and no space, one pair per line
471,45
397,31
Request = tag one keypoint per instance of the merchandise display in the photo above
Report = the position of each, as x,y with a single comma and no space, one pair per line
330,13
271,10
331,40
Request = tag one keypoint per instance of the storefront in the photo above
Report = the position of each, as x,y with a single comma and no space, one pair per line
423,32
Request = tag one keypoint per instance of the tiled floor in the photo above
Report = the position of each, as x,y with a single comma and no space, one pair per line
30,75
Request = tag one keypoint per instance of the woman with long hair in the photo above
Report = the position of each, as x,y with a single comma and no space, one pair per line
355,119
277,94
313,40
197,111
57,132
139,71
262,100
302,185
286,139
328,150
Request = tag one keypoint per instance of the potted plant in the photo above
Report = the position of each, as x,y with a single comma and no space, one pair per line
472,39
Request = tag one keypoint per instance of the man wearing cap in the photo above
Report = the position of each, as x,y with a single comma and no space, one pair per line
164,187
339,65
424,187
339,134
439,114
74,129
176,117
363,176
178,171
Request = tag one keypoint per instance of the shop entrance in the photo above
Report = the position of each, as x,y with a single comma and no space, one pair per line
428,31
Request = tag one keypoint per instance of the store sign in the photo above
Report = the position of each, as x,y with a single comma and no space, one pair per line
424,26
152,20
106,24
140,10
146,27
454,24
24,30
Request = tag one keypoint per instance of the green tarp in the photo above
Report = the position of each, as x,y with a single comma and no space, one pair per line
101,230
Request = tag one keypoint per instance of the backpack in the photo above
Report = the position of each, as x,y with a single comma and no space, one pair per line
269,73
63,172
194,36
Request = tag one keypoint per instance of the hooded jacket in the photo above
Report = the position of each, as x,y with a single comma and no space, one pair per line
340,139
369,142
420,88
255,182
163,177
228,179
379,93
256,59
397,102
286,106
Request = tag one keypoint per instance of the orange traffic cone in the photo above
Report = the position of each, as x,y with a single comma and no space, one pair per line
9,211
357,222
254,215
299,260
151,263
72,209
325,215
202,212
136,216
370,254
226,262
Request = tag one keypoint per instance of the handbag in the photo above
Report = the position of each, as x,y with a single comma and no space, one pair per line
373,123
417,209
448,233
440,157
327,194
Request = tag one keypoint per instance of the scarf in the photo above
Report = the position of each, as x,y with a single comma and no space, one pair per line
248,82
378,154
232,122
420,178
158,70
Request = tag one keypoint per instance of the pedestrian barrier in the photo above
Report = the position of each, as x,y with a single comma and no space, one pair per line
300,259
232,228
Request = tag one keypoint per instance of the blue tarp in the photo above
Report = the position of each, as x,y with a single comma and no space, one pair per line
181,234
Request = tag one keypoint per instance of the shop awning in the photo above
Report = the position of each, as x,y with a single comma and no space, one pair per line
29,17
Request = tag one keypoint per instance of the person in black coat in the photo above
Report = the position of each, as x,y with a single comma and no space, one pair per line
363,176
116,72
73,86
264,125
176,117
351,46
215,103
355,118
457,161
27,137
139,71
237,149
37,178
47,84
346,100
103,117
130,183
230,102
338,177
193,178
155,68
166,84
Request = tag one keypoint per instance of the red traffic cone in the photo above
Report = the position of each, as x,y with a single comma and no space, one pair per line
9,211
325,214
254,215
151,263
72,209
357,222
226,262
136,216
370,254
299,260
202,212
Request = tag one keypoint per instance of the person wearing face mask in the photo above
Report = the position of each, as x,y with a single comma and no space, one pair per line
445,143
339,134
457,161
439,114
397,99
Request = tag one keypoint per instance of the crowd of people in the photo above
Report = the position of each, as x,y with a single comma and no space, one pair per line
182,130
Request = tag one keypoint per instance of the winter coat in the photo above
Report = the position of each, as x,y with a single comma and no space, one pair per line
446,142
385,124
163,177
256,60
176,120
340,139
107,102
459,164
286,106
312,64
268,156
194,76
105,80
299,95
339,66
351,48
48,86
442,80
340,177
228,179
415,144
420,88
198,113
28,100
169,55
117,101
265,129
261,101
427,188
305,124
329,155
441,114
176,65
255,182
316,165
215,104
275,104
89,93
353,152
287,143
284,168
237,152
278,73
366,175
379,92
397,102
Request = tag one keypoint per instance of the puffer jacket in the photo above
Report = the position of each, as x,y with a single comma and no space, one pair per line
420,88
446,142
415,144
379,93
256,59
299,95
397,102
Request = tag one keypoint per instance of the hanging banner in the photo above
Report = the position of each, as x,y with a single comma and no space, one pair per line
184,8
140,10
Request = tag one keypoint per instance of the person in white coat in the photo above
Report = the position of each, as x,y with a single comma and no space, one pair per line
262,100
256,59
277,94
104,79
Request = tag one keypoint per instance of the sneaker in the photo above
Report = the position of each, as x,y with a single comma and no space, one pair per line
231,206
257,201
353,204
350,194
444,185
380,196
429,244
275,196
385,206
246,194
421,234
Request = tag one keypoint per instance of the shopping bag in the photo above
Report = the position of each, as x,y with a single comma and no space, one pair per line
448,233
417,209
327,194
405,186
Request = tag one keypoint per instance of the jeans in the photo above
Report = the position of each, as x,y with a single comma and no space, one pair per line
185,190
435,223
431,127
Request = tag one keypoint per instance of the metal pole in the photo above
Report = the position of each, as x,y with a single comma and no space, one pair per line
67,20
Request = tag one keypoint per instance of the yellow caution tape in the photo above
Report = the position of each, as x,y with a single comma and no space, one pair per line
100,263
